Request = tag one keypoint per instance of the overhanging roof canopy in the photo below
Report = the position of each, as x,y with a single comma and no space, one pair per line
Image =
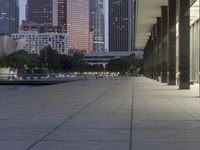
147,12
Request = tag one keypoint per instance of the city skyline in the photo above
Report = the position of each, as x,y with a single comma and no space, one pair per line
22,4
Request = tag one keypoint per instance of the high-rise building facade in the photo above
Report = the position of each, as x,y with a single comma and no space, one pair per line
47,12
35,41
97,26
121,25
78,25
40,11
9,16
62,14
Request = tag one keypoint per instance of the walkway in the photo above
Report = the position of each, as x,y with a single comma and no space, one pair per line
116,114
165,118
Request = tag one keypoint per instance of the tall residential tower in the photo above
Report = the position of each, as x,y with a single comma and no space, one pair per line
9,16
121,25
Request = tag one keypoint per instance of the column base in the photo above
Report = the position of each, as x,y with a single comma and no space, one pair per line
184,86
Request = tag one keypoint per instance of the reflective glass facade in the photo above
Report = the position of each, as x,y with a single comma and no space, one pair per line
78,25
121,25
9,16
62,14
97,25
47,12
40,11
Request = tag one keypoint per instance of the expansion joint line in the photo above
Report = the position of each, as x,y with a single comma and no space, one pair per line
131,119
71,117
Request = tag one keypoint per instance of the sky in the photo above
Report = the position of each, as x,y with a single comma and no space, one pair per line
22,4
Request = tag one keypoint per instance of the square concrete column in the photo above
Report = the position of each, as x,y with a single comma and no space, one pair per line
148,59
152,58
158,47
154,37
150,54
171,47
184,44
153,54
145,60
164,18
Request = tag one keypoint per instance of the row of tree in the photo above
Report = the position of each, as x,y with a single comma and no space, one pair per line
55,62
124,65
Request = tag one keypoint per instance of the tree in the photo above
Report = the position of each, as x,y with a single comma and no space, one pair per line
121,65
137,64
49,58
65,63
18,59
78,56
34,59
2,63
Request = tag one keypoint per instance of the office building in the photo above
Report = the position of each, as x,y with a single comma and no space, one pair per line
34,26
78,26
40,11
47,12
36,41
97,26
9,16
62,14
121,25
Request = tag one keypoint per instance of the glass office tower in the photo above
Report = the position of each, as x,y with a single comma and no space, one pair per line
121,25
97,26
40,11
9,16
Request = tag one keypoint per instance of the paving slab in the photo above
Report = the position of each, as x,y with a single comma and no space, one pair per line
59,145
164,118
115,114
95,114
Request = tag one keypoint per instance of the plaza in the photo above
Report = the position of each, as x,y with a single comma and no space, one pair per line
104,114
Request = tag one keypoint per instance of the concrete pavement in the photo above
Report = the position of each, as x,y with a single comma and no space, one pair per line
115,114
165,118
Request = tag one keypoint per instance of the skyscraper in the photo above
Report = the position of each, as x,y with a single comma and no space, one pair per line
121,25
47,12
9,16
78,25
40,11
97,24
62,14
